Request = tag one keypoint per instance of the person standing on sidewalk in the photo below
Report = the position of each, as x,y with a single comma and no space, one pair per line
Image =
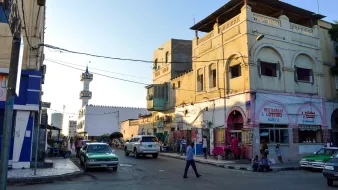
205,146
190,161
279,153
183,146
71,141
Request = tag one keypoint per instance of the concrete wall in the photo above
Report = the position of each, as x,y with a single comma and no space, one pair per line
128,130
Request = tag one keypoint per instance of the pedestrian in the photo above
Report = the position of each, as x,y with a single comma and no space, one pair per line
205,146
71,141
255,163
183,146
264,149
234,147
92,139
190,161
329,143
178,145
279,153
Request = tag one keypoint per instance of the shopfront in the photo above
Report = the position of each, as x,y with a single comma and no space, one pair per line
293,122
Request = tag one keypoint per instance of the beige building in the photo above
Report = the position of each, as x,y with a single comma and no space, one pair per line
142,126
258,73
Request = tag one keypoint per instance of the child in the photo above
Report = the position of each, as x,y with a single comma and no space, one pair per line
279,153
255,163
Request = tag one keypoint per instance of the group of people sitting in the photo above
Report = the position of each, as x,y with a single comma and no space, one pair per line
263,163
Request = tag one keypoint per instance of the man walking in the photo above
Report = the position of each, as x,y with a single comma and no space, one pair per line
190,161
183,146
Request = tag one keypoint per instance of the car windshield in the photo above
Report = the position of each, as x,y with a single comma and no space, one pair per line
326,152
99,149
149,139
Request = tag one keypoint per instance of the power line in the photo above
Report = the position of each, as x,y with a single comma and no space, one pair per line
97,69
99,73
106,113
129,59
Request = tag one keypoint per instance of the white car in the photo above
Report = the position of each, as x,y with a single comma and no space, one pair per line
142,145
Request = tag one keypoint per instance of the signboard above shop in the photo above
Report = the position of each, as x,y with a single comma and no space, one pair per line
309,116
273,114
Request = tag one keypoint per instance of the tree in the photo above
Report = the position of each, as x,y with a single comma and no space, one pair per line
105,137
116,135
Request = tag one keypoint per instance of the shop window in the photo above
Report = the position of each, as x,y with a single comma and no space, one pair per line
268,69
310,134
200,80
235,71
212,76
274,134
304,75
221,135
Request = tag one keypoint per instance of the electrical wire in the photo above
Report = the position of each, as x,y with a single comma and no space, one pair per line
129,59
97,69
106,113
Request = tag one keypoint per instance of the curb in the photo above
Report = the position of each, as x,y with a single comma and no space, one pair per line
45,179
234,167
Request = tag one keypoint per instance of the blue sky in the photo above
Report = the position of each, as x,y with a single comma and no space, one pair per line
127,29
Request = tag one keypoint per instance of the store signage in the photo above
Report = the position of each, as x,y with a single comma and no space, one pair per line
309,116
273,114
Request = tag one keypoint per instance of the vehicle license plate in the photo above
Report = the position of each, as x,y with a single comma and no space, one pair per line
103,165
335,174
149,146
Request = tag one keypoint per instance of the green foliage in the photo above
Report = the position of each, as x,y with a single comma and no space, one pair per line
116,135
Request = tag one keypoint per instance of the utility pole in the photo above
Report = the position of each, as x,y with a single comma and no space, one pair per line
15,24
118,120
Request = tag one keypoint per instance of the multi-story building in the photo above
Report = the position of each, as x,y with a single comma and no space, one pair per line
72,128
258,73
142,126
171,60
26,105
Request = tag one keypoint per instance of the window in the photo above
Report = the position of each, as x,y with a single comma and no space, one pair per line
235,71
3,18
166,57
268,69
149,139
200,80
99,149
166,92
326,152
310,134
212,75
173,85
273,134
304,75
155,64
178,84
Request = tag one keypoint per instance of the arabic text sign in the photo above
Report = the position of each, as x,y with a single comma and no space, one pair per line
273,114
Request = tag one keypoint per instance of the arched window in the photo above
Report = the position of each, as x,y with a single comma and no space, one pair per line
200,80
212,75
304,66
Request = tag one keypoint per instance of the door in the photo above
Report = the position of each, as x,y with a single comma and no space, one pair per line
83,153
130,144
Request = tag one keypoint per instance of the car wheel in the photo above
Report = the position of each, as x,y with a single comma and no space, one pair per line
155,155
330,182
136,155
126,153
114,169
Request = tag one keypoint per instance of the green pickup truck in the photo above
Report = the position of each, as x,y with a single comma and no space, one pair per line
98,155
319,158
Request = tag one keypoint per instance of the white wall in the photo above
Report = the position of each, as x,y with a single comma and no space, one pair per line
57,122
100,120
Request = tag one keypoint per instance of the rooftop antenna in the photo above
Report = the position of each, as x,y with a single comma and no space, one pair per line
318,5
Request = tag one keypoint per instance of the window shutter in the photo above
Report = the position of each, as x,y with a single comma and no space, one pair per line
279,70
312,77
295,73
259,67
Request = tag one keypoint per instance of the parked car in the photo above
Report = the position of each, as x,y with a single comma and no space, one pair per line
319,158
98,155
330,171
142,145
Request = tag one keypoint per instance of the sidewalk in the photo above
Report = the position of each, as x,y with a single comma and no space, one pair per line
232,164
63,169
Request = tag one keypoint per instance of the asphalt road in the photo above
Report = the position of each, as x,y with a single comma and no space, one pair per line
166,173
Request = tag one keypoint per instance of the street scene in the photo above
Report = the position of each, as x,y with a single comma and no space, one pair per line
233,94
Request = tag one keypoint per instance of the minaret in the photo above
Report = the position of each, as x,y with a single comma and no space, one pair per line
85,94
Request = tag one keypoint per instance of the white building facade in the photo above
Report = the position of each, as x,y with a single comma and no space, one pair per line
57,121
72,128
96,120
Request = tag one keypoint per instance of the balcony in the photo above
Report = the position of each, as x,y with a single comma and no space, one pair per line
86,76
86,94
156,97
